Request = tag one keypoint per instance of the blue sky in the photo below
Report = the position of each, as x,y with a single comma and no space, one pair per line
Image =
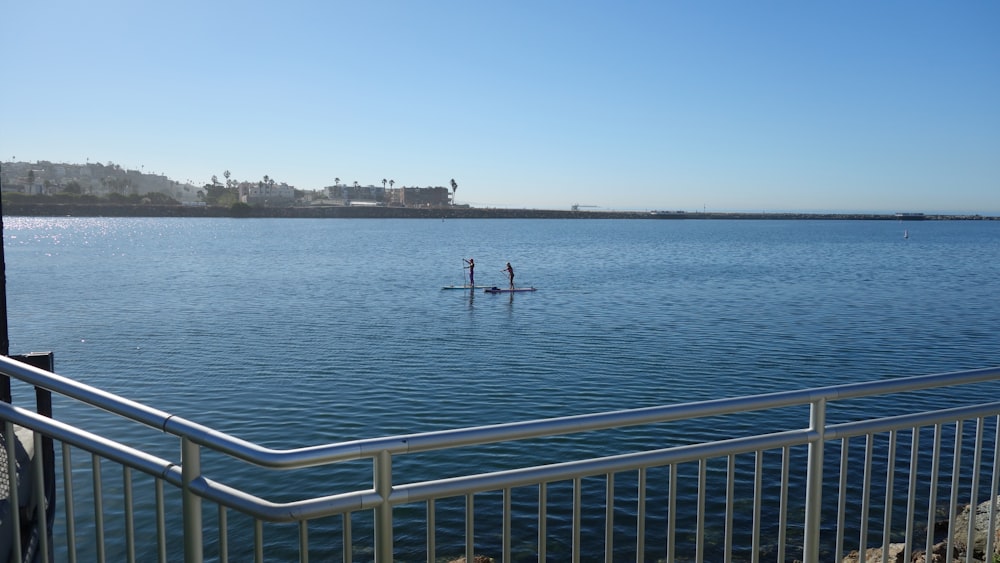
672,105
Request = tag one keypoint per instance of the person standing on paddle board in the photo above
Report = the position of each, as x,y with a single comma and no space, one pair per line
472,271
510,274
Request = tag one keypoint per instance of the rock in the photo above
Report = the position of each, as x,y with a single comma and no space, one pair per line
874,554
981,521
938,555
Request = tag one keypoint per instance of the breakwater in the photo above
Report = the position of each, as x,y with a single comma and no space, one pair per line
25,209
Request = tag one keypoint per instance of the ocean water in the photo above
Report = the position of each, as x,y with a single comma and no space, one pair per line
299,332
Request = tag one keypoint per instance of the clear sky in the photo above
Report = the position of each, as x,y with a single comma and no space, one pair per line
878,106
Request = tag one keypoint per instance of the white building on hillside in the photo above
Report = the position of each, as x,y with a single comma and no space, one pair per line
260,193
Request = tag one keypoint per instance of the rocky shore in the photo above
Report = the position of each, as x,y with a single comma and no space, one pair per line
33,209
961,550
939,553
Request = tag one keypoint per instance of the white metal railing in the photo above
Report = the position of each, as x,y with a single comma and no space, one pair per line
702,500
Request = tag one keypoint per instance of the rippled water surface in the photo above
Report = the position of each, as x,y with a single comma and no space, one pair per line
298,332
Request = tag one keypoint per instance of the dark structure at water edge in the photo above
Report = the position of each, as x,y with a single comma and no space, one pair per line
34,209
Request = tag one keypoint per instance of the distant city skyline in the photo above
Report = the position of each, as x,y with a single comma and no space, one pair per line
728,106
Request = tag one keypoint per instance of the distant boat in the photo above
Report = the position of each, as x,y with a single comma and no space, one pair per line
906,233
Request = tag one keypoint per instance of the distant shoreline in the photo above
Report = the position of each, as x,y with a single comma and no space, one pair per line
21,209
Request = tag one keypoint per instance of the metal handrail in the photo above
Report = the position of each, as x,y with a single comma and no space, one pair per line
425,490
430,441
186,474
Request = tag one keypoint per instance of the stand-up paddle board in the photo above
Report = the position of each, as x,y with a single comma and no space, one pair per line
466,287
508,290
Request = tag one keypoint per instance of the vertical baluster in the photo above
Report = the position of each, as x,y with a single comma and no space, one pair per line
348,547
129,514
911,493
543,516
506,533
470,527
977,460
431,535
98,506
758,494
577,516
609,516
956,470
890,480
258,540
994,489
932,493
783,503
866,489
161,523
223,534
303,541
640,549
842,500
700,516
671,512
730,511
68,502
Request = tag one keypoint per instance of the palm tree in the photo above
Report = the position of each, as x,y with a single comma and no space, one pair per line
383,183
336,181
454,189
391,182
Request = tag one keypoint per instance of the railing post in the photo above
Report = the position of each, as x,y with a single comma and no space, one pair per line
814,479
383,513
191,470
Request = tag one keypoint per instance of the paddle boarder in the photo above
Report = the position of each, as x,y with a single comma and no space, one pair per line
472,271
510,274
